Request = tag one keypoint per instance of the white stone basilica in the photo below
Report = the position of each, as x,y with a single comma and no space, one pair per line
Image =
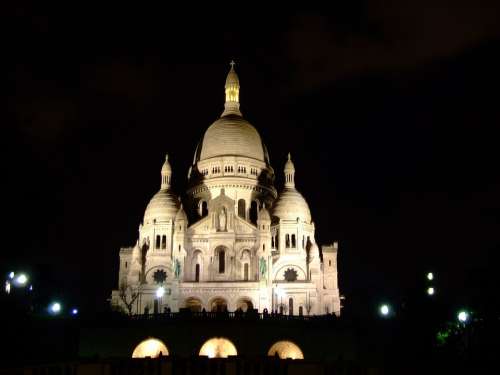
233,242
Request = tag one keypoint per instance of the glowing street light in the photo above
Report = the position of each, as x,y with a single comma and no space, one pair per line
431,291
430,276
463,316
11,275
74,311
55,308
21,280
384,310
160,292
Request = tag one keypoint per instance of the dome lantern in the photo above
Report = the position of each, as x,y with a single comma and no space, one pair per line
166,174
289,173
232,89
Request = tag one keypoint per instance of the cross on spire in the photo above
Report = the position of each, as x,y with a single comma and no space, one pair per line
232,63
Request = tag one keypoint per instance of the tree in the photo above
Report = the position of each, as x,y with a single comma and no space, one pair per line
128,295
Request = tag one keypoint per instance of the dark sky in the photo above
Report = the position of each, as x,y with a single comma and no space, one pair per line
390,112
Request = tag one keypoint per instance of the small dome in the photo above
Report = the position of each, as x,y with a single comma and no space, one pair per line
181,215
232,135
162,207
264,214
291,205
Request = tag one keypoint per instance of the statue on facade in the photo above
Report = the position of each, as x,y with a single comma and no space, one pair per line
177,269
222,220
262,267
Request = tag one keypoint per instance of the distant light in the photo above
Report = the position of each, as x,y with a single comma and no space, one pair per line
463,316
31,288
160,292
431,291
21,279
74,312
55,308
430,276
384,310
7,287
11,275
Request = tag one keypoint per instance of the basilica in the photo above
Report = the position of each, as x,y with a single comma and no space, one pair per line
233,241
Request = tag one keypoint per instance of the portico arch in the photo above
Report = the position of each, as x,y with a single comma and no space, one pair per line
194,304
245,304
218,304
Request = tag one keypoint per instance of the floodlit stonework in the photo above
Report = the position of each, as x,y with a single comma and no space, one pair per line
234,241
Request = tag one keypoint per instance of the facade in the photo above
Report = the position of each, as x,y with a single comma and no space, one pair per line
234,241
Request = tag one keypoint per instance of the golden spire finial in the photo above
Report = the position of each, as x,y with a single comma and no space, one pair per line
232,89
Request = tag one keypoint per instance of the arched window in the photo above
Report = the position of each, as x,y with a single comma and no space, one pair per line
301,311
294,243
222,261
253,212
329,262
290,306
245,277
197,273
158,241
287,240
241,208
164,242
204,209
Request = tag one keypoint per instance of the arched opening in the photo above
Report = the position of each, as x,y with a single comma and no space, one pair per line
164,242
290,306
245,272
220,253
287,240
196,266
285,349
294,242
150,348
218,347
253,212
204,209
193,304
157,245
218,305
244,304
241,208
301,311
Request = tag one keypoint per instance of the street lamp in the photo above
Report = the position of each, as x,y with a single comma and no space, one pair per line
55,308
160,292
431,291
21,280
384,310
74,311
430,276
463,316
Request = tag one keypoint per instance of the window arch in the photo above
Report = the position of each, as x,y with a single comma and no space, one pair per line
164,242
158,238
204,208
294,242
241,208
287,240
222,261
254,207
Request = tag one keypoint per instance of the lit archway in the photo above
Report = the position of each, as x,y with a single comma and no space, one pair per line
218,347
244,304
285,349
218,305
150,348
193,304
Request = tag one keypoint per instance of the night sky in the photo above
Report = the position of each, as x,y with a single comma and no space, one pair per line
391,114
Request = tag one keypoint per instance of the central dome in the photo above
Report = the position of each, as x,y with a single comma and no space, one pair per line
232,135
